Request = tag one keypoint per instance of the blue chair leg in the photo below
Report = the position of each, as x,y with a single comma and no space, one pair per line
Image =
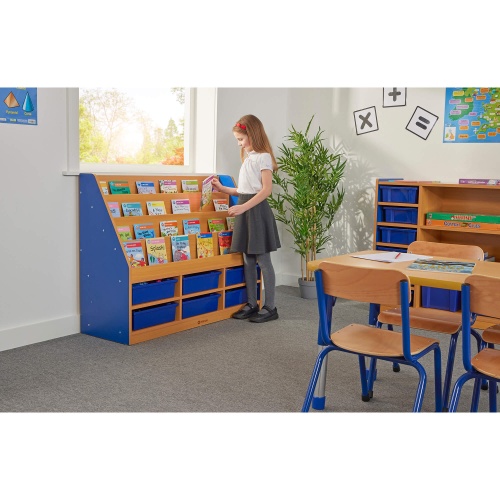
480,346
475,395
314,378
438,388
372,375
449,368
493,396
422,379
457,389
364,382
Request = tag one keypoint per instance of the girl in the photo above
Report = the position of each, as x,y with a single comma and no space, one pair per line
255,233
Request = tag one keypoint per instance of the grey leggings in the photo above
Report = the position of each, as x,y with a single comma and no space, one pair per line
266,266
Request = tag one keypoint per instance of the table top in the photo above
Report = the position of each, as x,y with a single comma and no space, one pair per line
451,281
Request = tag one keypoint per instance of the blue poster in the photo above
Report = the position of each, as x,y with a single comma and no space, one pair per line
472,114
19,106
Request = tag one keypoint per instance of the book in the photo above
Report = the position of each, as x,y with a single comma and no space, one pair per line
462,224
230,223
124,233
156,207
206,191
204,245
191,226
189,185
463,217
442,266
181,206
132,209
481,182
168,186
119,187
134,253
168,228
220,205
216,225
114,208
104,187
225,240
180,247
145,187
156,250
146,230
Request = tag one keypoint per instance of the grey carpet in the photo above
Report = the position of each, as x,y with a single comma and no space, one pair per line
229,366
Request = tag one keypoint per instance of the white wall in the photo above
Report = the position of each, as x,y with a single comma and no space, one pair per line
39,206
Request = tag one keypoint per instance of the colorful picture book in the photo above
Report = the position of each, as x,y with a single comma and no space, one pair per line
220,205
189,185
156,207
145,187
132,209
156,250
225,240
168,186
191,226
146,230
204,245
181,206
114,208
230,223
206,191
481,182
168,228
463,217
124,233
216,225
104,187
119,187
180,248
134,253
442,266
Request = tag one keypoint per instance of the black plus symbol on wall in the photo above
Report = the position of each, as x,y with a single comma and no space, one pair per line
365,120
394,94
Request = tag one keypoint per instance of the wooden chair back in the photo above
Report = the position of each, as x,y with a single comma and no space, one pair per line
448,250
484,295
379,286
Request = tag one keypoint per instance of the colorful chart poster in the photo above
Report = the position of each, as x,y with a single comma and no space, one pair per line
472,115
19,106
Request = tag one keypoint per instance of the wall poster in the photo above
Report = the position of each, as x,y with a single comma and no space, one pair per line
18,106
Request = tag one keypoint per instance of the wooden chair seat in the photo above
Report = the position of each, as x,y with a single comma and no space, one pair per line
487,361
492,335
372,341
424,318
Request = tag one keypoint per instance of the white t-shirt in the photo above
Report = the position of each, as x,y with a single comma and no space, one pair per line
250,178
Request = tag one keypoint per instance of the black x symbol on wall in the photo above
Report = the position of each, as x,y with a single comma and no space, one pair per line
365,120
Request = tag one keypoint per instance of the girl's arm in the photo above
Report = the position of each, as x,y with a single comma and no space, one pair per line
224,189
267,188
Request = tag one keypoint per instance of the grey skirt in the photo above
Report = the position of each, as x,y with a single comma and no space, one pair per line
255,231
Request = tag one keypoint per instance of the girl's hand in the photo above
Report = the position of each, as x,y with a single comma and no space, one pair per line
236,210
216,184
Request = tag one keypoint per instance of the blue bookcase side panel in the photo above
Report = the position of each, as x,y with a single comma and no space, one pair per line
227,180
104,271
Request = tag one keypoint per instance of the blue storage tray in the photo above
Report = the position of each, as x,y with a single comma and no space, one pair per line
398,194
154,315
200,305
391,249
236,296
235,275
200,282
153,290
402,215
440,298
397,235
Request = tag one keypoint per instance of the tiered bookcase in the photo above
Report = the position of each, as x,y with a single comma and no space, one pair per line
118,302
401,208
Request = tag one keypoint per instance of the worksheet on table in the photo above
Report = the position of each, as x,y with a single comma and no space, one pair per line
392,257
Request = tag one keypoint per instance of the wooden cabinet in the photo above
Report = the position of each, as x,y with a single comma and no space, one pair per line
133,304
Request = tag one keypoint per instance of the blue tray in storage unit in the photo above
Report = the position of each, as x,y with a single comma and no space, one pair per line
402,215
153,290
154,315
200,305
236,296
391,249
440,298
236,275
200,282
397,235
398,194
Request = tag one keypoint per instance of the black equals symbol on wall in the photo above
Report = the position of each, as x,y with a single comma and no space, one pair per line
424,120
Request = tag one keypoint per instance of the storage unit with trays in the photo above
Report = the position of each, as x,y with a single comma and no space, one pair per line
133,304
400,218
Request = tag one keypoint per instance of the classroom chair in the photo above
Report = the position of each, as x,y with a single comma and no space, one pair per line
435,320
367,285
480,295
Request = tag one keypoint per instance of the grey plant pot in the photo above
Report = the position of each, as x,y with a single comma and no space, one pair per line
307,289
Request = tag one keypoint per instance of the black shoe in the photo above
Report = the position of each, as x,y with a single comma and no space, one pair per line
245,312
267,316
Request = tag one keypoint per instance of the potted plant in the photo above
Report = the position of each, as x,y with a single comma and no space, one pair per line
309,175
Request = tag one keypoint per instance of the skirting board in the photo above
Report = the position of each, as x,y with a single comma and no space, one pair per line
38,332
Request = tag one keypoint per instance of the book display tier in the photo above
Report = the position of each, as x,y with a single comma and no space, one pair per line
129,301
401,217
